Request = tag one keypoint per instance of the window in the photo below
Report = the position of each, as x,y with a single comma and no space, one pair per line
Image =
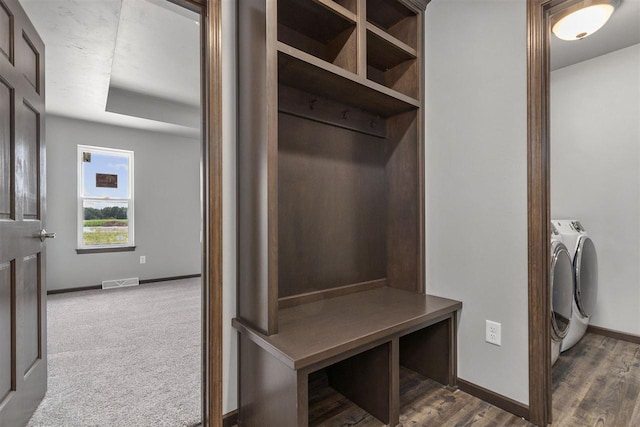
105,199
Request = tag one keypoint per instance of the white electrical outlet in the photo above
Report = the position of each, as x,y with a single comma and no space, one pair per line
143,259
493,334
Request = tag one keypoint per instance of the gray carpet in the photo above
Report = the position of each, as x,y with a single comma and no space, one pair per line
126,357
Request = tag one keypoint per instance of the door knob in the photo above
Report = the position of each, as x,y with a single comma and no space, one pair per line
45,235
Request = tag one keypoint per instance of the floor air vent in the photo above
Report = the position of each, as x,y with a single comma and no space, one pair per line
120,283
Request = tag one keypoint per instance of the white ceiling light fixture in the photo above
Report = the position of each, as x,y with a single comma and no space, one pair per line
582,19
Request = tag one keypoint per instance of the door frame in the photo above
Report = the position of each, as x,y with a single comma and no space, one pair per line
211,166
539,13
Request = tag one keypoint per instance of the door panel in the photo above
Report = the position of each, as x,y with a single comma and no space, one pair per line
31,348
23,343
30,62
6,27
7,330
6,161
29,163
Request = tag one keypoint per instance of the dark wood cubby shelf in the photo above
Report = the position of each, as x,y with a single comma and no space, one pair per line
331,221
391,63
321,28
393,51
308,73
395,19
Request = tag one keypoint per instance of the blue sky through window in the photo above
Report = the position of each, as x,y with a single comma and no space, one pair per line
102,163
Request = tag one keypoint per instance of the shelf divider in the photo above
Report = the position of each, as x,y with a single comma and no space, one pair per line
362,38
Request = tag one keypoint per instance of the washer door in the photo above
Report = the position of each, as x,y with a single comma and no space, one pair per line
561,290
586,271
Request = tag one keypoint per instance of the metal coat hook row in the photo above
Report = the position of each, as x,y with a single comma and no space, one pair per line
346,114
312,104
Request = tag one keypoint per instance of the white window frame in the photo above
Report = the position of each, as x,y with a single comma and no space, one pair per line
82,198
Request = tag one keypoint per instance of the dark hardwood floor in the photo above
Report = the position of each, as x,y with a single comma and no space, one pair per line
597,384
424,403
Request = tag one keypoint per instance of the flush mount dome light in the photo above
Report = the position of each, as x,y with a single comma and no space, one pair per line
582,19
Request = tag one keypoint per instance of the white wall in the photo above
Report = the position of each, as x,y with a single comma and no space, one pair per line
595,173
167,205
229,265
476,172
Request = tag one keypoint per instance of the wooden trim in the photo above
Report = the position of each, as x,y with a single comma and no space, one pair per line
197,6
453,354
81,288
538,202
142,282
421,157
394,381
105,250
167,279
538,218
416,5
502,402
361,28
623,336
230,419
272,164
306,298
212,213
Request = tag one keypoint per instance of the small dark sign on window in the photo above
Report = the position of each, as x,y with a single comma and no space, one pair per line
105,180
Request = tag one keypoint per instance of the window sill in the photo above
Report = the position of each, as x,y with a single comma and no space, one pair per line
106,250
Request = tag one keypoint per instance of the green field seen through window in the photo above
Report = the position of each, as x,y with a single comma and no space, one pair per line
105,231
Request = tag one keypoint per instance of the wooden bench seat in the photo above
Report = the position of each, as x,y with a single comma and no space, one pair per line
361,339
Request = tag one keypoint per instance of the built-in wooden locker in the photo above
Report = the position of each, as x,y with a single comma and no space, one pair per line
331,202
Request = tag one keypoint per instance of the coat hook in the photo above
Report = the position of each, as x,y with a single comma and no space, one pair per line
374,123
346,114
312,104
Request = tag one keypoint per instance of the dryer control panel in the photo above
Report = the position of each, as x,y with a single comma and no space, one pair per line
577,226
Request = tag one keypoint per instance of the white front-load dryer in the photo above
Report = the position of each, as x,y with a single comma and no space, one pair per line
561,283
585,273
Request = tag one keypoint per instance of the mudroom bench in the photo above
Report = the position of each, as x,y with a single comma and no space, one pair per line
360,340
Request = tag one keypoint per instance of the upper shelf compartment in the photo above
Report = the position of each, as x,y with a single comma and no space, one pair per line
395,19
391,63
325,29
305,72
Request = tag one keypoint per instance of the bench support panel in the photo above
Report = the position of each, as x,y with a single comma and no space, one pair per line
272,394
432,352
367,379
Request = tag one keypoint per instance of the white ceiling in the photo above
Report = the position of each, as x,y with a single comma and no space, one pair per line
157,51
139,59
622,30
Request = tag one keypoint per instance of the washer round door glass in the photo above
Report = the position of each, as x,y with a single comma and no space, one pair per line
586,270
561,290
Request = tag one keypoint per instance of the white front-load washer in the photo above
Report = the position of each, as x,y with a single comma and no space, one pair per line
561,293
585,273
